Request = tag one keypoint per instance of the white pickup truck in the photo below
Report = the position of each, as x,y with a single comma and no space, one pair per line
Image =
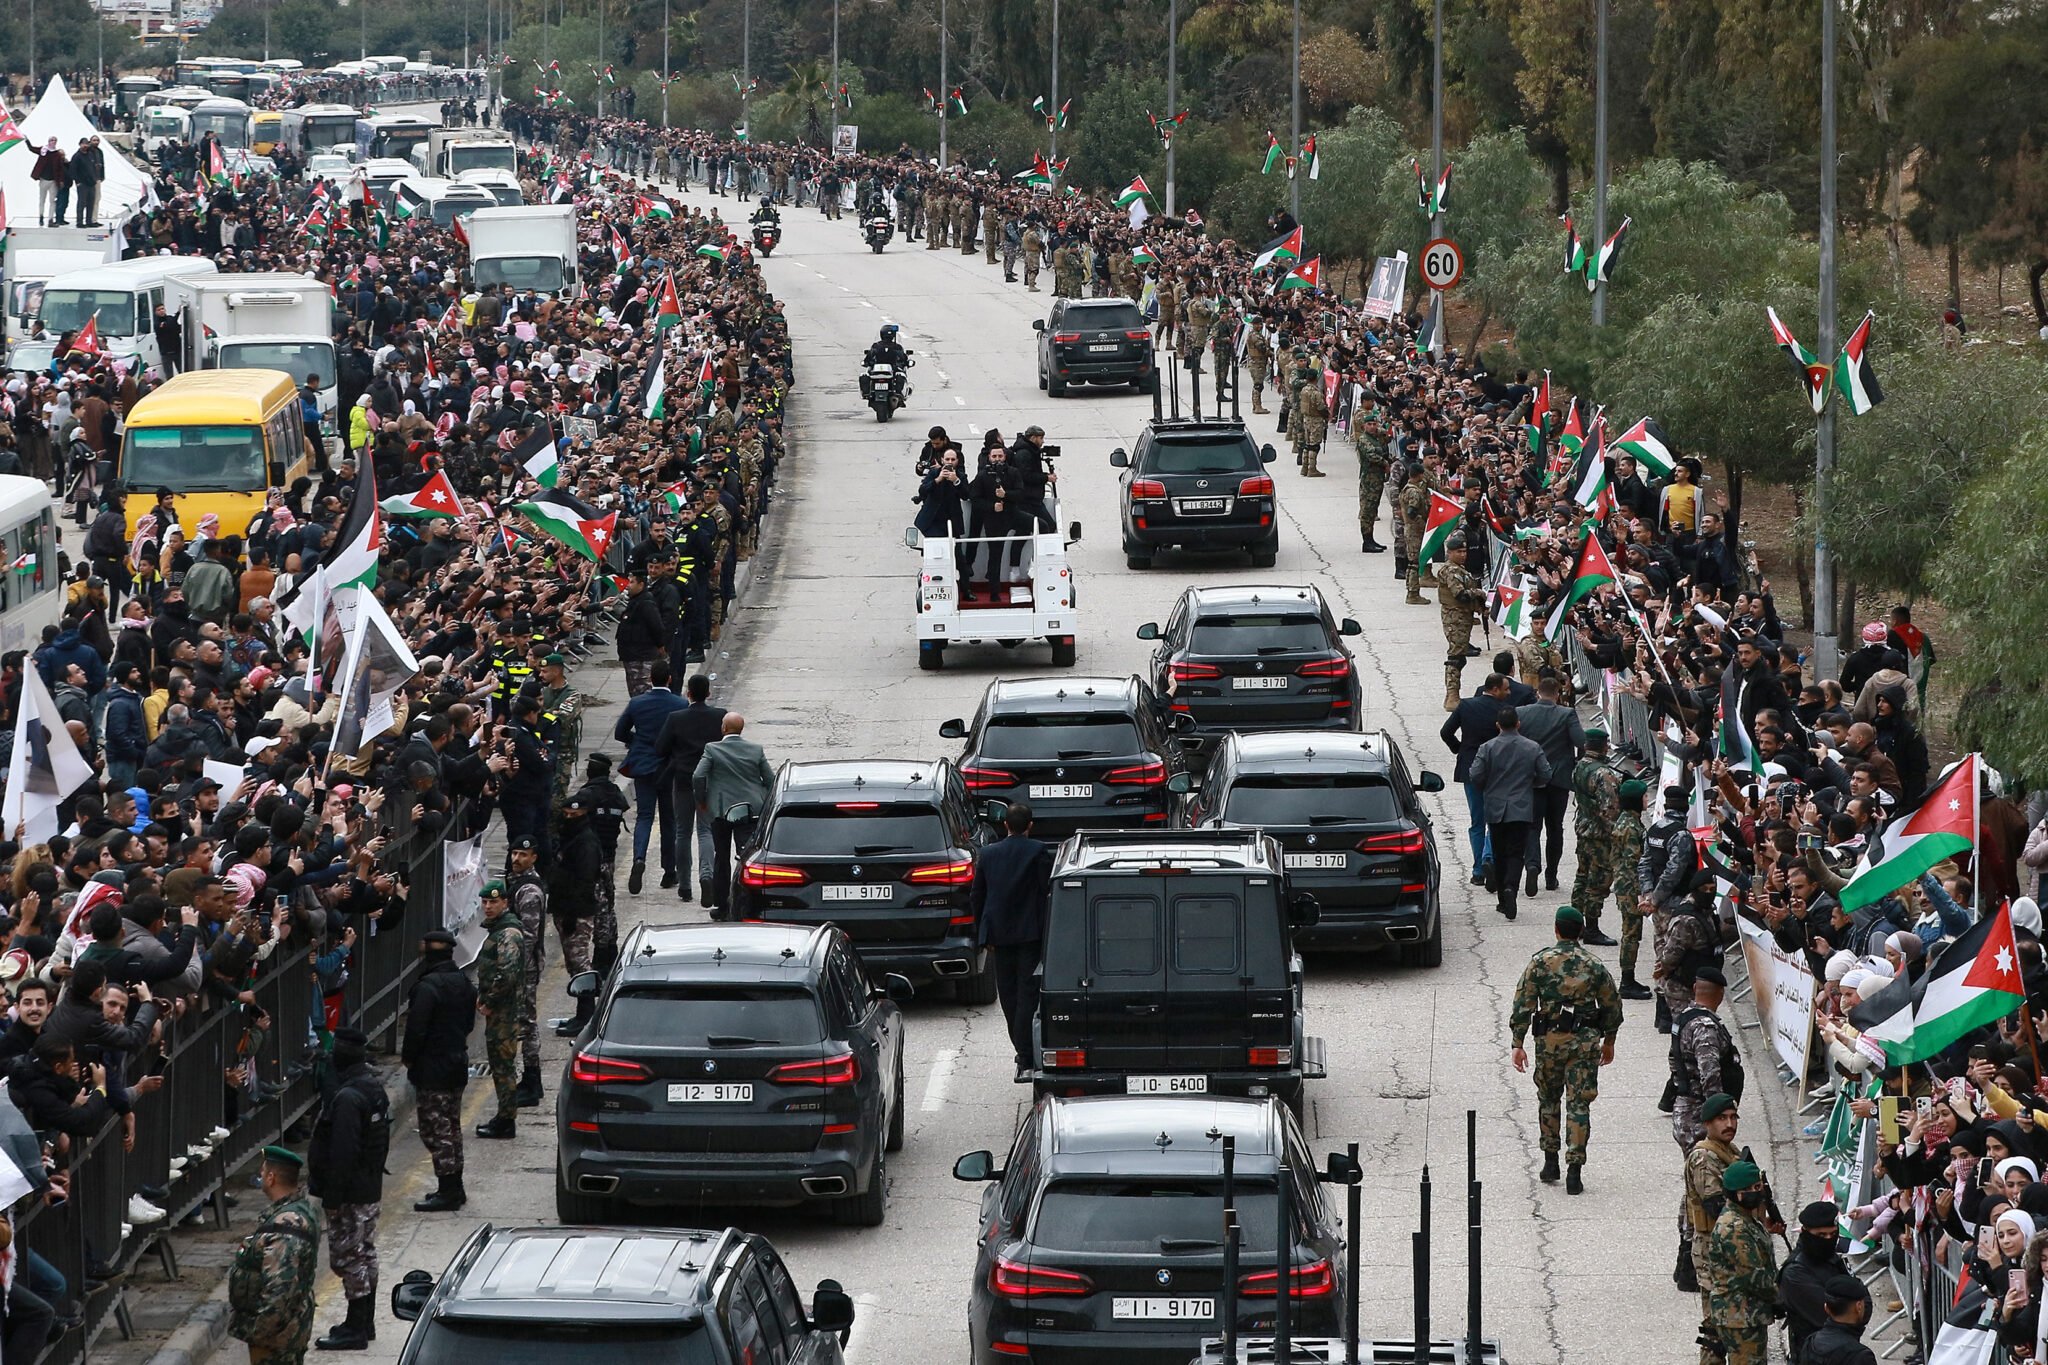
969,593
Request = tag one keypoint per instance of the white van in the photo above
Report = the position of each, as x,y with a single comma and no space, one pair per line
161,124
124,296
442,200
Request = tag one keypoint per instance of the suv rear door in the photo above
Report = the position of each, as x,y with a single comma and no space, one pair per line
1104,977
1263,666
874,868
1228,1001
1209,479
1098,333
1076,768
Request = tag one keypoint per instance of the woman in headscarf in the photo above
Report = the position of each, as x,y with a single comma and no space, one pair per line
2015,1309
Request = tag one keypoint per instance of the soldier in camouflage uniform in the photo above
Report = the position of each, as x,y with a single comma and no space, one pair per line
1066,270
1705,1164
501,994
561,706
1258,361
270,1286
935,216
1169,311
1313,407
527,891
1200,320
1628,852
1034,252
1459,596
351,1140
1414,516
1568,1001
1369,435
1533,654
1596,812
1743,1269
991,229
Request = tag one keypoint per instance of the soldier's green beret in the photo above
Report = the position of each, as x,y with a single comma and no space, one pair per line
1569,918
283,1156
1596,739
1633,789
1715,1105
1740,1176
494,887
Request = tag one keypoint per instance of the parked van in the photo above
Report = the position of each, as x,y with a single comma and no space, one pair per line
124,296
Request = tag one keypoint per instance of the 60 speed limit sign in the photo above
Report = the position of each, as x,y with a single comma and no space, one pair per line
1443,265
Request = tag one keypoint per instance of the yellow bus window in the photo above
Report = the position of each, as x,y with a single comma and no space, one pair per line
225,459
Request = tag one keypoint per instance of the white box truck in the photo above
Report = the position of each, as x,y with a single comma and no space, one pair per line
262,320
36,255
526,250
448,152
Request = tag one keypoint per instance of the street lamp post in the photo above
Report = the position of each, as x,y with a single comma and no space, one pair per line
1599,153
600,58
1436,118
945,95
1053,118
832,92
362,29
1294,147
664,64
746,66
1172,91
1826,652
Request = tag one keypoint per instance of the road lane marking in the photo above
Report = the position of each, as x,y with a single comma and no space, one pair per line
963,403
941,1079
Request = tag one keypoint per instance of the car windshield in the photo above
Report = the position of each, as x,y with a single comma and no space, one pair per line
1134,1216
1110,317
1310,798
564,1341
477,156
67,310
690,1016
856,828
1091,734
540,273
1257,633
299,359
1227,456
194,459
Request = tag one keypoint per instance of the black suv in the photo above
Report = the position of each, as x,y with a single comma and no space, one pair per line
885,849
1198,485
1256,657
1101,1235
732,1063
589,1296
1351,829
1095,341
1170,969
1084,752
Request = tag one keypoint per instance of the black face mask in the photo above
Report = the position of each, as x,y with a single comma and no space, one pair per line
1750,1199
1817,1244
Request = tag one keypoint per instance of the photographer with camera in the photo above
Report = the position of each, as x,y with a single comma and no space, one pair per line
1035,480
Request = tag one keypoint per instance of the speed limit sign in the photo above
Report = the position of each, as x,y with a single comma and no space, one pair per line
1443,265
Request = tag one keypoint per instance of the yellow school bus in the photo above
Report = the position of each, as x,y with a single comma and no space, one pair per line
218,439
265,127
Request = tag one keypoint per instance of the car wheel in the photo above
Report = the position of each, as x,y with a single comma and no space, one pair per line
867,1210
1062,655
1264,559
931,655
571,1207
1133,560
980,988
1056,388
1041,379
1429,952
896,1119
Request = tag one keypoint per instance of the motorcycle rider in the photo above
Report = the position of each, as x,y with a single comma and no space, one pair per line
886,351
766,215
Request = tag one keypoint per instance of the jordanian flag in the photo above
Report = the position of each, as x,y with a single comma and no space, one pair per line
1313,157
712,251
536,455
707,378
1142,255
1600,267
572,521
668,309
1274,155
1133,192
1539,428
1589,470
1972,985
1511,611
1429,338
353,564
1855,380
1810,368
437,499
654,386
1286,248
1574,249
1444,516
1038,173
10,131
1731,733
657,209
1593,573
1943,825
1307,275
959,101
1645,441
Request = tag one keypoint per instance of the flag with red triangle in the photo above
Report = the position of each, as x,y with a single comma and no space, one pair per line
1943,825
668,309
1307,275
87,342
1594,572
1444,516
437,499
10,131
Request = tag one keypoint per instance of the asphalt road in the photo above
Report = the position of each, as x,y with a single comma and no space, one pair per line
822,662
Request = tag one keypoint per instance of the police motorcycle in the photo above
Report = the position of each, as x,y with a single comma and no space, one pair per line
883,384
767,228
876,229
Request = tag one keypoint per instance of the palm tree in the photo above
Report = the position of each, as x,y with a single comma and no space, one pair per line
808,84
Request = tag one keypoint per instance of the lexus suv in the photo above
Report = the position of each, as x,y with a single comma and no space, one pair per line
1255,657
1098,753
732,1064
1346,813
1095,341
1101,1236
883,848
1197,485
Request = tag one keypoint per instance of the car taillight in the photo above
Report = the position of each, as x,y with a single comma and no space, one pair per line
1149,774
1063,1056
758,874
1181,673
1257,486
977,777
1269,1056
1337,667
1147,488
1066,336
1137,336
942,874
590,1069
843,1069
1312,1281
1016,1280
1403,841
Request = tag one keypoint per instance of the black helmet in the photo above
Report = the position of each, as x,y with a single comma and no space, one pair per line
888,331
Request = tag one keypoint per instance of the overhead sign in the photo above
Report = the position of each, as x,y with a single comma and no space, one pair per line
1443,265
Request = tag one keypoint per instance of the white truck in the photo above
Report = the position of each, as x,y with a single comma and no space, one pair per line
448,152
528,249
36,255
968,592
262,320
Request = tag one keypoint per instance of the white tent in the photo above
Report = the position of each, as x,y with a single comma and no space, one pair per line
56,115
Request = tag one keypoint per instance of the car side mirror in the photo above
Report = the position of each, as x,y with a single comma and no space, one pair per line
582,986
1118,459
739,813
1149,631
898,988
1038,324
1349,627
1303,910
953,729
1073,531
1183,723
913,537
1180,782
409,1296
1341,1168
976,1166
993,809
832,1310
1430,782
1267,454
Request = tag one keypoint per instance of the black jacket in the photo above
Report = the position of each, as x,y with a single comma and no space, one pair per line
571,882
438,1018
1802,1290
683,737
643,635
45,1100
80,1023
352,1136
1474,722
1835,1344
1012,879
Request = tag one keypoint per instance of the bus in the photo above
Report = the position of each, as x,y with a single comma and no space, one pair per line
229,85
227,120
392,135
266,130
31,596
316,127
219,440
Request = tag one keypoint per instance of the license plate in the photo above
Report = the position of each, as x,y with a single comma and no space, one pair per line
1066,792
1103,347
861,891
1166,1085
1298,860
722,1092
1172,1309
1202,504
1260,683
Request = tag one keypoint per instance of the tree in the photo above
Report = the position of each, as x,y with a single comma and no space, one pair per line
1346,214
1111,139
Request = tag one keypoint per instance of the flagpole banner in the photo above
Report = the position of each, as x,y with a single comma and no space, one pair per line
1781,988
845,139
462,863
1389,284
1848,1160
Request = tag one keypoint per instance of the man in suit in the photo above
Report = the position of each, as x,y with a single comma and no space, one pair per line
1556,729
1465,729
733,772
1507,771
683,739
639,728
1012,879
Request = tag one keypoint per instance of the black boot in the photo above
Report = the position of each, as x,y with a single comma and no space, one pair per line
528,1095
1632,989
446,1198
503,1126
1687,1281
1573,1184
1663,1013
1549,1176
1595,936
1371,546
356,1331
